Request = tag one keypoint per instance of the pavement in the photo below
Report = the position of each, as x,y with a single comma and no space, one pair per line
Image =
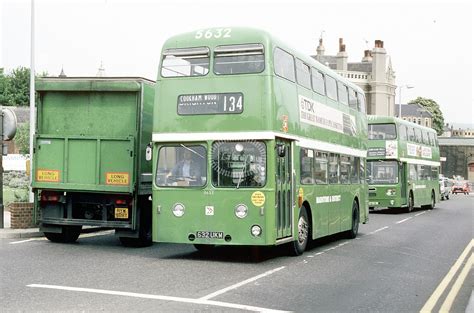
8,233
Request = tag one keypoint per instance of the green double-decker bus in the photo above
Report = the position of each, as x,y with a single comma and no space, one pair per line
402,164
254,144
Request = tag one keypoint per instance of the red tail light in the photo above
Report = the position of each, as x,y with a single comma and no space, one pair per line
120,202
50,196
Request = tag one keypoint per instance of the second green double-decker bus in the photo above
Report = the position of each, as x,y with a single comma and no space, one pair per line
402,164
254,144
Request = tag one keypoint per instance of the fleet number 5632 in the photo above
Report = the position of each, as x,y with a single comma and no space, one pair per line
213,33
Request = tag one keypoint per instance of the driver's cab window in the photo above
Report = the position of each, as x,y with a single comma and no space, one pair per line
181,166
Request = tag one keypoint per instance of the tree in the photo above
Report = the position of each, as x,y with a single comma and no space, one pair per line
18,87
22,138
15,87
431,106
3,86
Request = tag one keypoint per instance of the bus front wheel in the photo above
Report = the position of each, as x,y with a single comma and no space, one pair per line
298,246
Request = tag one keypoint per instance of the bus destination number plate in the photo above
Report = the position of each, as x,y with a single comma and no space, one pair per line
210,234
121,213
211,103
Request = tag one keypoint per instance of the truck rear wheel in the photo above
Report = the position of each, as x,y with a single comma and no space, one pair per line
69,234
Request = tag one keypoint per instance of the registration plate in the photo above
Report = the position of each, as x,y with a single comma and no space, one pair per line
210,234
373,203
121,213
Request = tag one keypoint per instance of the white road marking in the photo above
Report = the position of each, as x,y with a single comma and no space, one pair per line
27,240
158,297
418,214
101,233
235,286
448,302
378,230
404,220
430,304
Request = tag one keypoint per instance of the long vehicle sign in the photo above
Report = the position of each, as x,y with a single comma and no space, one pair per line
211,103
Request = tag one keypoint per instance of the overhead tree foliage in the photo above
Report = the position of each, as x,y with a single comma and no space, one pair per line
15,87
431,106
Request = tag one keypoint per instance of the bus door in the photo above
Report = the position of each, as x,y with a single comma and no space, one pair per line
284,187
403,181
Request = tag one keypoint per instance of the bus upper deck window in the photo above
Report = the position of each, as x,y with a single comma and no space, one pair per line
239,59
184,62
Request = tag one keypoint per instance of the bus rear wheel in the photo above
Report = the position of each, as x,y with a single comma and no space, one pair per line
352,233
298,246
432,203
411,203
69,234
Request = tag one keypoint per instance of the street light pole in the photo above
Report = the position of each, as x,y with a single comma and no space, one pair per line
400,98
32,93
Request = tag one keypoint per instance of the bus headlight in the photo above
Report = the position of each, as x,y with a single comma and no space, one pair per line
256,230
178,209
241,211
390,192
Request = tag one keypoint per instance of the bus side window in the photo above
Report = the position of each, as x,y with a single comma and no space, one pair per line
306,166
303,76
331,87
403,132
321,167
352,99
318,81
342,92
345,169
355,170
413,172
333,168
284,64
418,135
426,140
361,102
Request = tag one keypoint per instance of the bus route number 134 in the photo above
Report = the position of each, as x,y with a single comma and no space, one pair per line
213,33
231,103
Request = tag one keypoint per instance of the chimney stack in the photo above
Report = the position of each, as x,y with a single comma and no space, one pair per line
341,58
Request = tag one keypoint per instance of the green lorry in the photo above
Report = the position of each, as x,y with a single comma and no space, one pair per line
89,161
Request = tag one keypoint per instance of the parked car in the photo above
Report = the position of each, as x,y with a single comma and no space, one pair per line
444,189
467,188
460,187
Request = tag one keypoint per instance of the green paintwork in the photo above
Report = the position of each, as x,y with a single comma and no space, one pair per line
378,197
88,127
268,100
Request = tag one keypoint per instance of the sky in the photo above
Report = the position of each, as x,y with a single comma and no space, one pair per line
429,42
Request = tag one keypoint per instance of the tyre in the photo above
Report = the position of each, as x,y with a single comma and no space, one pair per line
433,201
298,246
352,233
411,202
144,233
69,234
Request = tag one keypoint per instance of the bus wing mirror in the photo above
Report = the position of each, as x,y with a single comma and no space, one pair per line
148,153
280,150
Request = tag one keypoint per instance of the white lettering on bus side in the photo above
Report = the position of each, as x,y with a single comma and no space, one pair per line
328,199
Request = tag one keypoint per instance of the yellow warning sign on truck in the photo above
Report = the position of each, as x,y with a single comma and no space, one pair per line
117,178
50,176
